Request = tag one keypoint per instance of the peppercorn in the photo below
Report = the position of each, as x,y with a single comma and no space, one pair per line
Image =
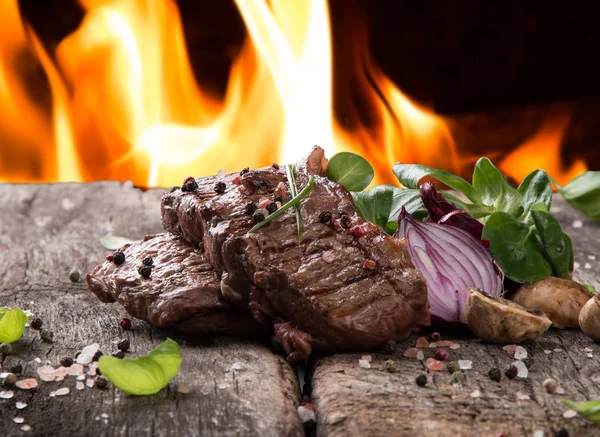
97,355
101,382
47,336
5,349
74,275
123,345
118,258
272,207
435,336
119,354
495,374
258,217
250,208
66,362
562,432
98,372
16,368
207,213
125,323
421,380
145,271
453,367
390,366
275,165
441,355
36,323
369,264
345,221
325,217
278,199
511,372
148,261
244,171
10,380
109,258
459,378
550,385
189,184
389,348
220,187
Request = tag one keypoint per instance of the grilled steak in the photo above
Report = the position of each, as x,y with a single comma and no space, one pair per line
182,291
344,284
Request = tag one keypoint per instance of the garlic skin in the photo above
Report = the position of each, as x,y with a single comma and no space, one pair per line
589,318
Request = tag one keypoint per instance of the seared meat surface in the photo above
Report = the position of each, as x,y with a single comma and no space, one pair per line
344,284
183,289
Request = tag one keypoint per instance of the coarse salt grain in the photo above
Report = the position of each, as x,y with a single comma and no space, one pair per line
182,388
37,360
577,224
434,365
19,419
476,394
75,370
92,368
80,378
422,342
569,414
6,394
538,433
592,257
104,416
411,352
420,355
560,390
522,396
558,349
62,391
20,405
306,414
575,265
364,364
79,385
89,383
328,256
87,354
432,345
444,343
547,351
454,346
26,384
46,373
590,355
368,358
523,372
587,266
465,364
236,366
510,348
520,353
25,428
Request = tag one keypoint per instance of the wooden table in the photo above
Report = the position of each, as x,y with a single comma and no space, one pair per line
240,387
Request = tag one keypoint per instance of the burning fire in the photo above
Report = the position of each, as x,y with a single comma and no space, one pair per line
125,104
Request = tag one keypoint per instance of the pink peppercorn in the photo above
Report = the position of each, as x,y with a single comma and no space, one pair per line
109,257
369,264
441,355
125,323
435,336
188,179
358,231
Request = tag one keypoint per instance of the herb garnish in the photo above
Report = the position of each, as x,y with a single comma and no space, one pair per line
588,409
144,375
294,201
114,242
351,171
12,324
289,170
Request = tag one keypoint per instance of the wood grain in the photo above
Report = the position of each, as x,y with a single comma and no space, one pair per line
45,231
351,400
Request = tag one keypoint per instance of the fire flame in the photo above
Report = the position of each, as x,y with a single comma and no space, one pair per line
125,104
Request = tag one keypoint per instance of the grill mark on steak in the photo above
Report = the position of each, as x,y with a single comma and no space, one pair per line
183,290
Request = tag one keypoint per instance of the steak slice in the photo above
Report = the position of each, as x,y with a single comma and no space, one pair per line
344,284
182,291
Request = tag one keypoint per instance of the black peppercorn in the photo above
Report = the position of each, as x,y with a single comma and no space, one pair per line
5,349
244,171
389,348
16,368
123,345
101,382
118,258
207,213
272,207
119,354
98,372
325,217
36,323
66,362
251,208
220,187
47,335
97,355
495,374
278,199
421,380
511,372
189,184
145,271
258,217
562,432
148,261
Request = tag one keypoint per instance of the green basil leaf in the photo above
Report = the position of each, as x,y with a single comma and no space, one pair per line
493,188
553,241
588,409
350,170
583,193
410,175
382,204
535,188
144,375
515,248
114,242
12,324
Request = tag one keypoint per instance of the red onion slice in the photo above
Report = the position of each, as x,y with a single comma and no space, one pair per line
451,261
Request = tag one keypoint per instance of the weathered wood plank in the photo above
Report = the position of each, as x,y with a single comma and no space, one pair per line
45,230
351,400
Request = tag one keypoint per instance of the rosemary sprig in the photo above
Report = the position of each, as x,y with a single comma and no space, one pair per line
289,169
293,202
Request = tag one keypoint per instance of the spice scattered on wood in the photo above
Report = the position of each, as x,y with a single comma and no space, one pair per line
27,384
465,364
189,184
475,394
101,382
119,354
390,366
36,323
495,374
181,388
66,362
6,394
325,217
511,372
435,336
20,405
453,367
520,353
369,264
10,380
458,378
125,323
47,336
522,396
510,349
421,380
220,187
88,352
422,342
74,275
550,385
569,414
411,352
123,345
441,354
272,207
16,368
258,217
364,364
522,371
434,365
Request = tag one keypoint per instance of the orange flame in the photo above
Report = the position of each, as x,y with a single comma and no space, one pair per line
125,104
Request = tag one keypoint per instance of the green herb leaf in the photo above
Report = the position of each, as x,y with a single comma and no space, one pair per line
351,171
144,375
588,409
382,204
583,193
294,201
556,247
12,324
474,209
493,188
515,248
590,288
535,188
114,242
410,175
